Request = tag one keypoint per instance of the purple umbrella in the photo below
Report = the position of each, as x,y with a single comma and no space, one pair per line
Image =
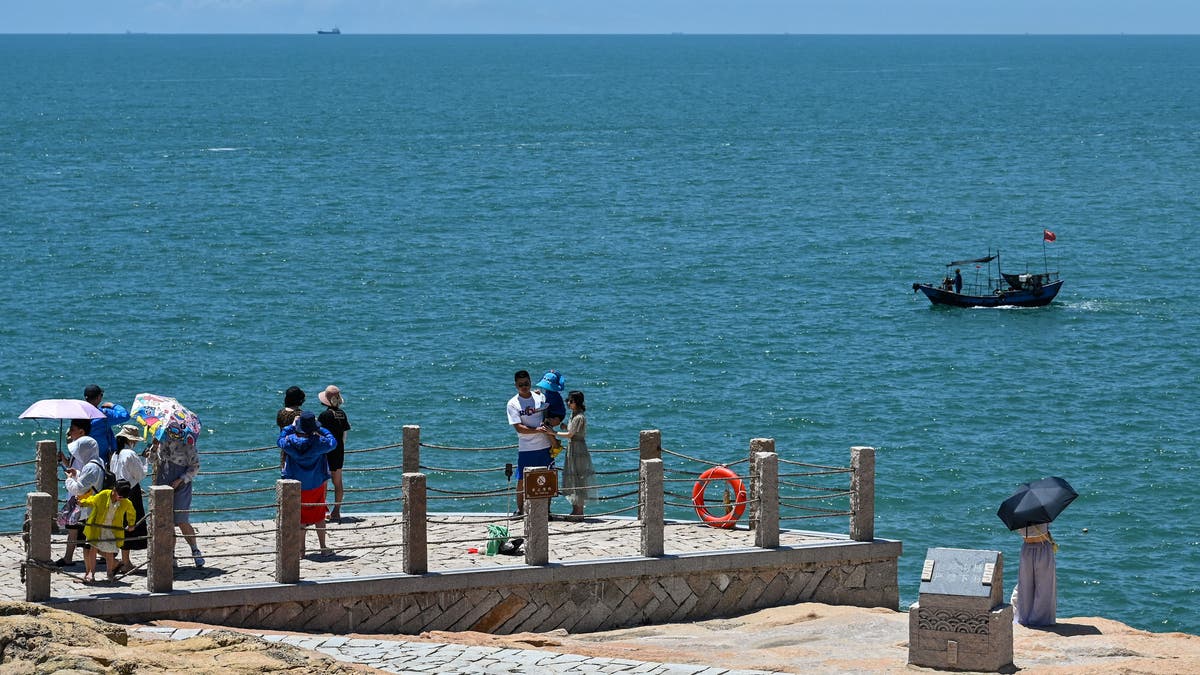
62,409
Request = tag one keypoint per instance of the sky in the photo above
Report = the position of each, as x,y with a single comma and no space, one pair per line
604,16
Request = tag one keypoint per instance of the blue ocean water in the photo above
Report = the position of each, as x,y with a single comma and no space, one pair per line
711,236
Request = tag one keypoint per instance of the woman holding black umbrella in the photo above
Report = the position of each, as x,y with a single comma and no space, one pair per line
1037,578
1029,512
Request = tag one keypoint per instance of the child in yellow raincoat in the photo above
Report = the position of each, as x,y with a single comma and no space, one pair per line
112,514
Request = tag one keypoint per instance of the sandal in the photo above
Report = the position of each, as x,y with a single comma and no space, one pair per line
63,562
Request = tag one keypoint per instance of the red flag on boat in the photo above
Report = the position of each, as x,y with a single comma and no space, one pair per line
1047,235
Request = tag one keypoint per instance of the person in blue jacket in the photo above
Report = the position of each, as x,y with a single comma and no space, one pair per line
305,444
102,429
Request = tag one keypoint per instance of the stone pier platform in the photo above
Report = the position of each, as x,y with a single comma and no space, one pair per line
595,579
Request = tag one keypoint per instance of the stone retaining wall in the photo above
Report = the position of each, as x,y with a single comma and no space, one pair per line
577,596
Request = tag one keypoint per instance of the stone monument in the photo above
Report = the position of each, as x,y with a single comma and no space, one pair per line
960,621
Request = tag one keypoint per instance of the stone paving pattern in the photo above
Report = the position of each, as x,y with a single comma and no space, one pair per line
242,552
422,658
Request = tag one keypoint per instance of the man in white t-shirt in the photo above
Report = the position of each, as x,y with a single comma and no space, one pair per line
525,412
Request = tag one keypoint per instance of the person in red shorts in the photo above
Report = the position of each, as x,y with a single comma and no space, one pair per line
305,444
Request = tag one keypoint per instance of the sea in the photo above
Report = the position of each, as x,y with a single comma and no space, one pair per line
712,236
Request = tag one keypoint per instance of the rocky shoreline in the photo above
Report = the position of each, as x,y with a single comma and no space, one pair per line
803,638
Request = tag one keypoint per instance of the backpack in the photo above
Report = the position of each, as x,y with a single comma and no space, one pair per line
110,479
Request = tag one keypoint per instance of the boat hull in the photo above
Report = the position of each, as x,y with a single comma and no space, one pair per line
1011,298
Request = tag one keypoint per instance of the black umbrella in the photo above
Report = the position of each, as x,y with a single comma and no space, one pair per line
1037,502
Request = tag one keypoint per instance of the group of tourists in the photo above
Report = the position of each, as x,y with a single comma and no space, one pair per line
537,413
312,450
105,509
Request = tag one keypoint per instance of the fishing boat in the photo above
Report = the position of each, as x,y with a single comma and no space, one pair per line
1002,290
335,31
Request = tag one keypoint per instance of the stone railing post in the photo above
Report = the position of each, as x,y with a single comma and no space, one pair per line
650,495
862,493
160,549
650,444
411,442
289,533
537,531
649,447
39,515
46,469
757,445
415,523
766,498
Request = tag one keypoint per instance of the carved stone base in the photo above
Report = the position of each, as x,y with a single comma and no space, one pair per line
953,638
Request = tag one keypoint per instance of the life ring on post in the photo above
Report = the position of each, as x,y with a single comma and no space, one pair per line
729,520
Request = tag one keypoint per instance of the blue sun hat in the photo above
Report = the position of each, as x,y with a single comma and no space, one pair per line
552,381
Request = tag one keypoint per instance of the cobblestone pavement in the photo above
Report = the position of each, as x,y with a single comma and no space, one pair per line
242,552
422,658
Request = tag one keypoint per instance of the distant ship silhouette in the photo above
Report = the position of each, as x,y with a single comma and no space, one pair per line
335,31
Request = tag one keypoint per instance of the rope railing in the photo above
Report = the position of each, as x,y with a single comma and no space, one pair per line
471,493
814,509
450,447
812,466
730,504
238,471
815,488
692,459
228,509
361,528
367,547
24,462
467,486
460,497
829,514
236,452
615,473
233,554
360,451
468,519
843,493
439,469
626,509
372,489
226,535
234,492
609,498
591,530
360,501
372,469
817,473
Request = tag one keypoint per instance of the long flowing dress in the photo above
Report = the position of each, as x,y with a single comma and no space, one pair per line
1037,592
578,477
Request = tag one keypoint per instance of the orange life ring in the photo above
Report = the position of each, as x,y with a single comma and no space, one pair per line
728,520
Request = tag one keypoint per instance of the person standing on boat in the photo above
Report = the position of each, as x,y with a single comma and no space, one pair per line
957,280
